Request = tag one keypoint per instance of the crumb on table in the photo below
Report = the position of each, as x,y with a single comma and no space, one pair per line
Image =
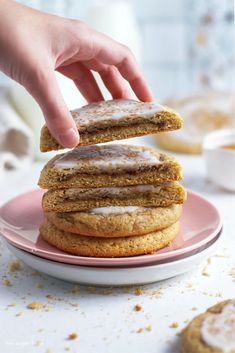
138,307
14,266
72,336
7,282
174,325
139,291
35,305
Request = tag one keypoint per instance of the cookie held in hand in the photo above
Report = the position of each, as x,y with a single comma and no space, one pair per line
116,120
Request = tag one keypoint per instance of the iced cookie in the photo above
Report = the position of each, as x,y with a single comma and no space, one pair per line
211,332
108,247
116,120
202,114
78,199
109,165
116,221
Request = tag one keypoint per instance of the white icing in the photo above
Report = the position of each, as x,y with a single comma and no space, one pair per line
117,110
107,157
115,210
119,191
218,330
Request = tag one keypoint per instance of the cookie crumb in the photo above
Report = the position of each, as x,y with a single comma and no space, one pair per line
35,305
205,273
39,285
149,328
14,266
72,336
7,282
139,291
38,343
91,289
75,305
156,294
140,330
232,274
50,297
138,307
194,308
75,290
174,325
19,314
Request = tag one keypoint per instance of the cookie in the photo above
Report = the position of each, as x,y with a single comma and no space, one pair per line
108,247
116,221
78,199
109,165
212,331
116,120
177,144
202,114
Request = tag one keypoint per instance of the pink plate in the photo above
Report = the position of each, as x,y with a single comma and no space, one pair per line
21,217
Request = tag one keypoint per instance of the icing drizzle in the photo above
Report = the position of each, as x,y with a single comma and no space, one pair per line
115,210
117,192
218,330
107,158
118,110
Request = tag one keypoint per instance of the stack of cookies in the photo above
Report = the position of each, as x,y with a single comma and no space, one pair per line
112,200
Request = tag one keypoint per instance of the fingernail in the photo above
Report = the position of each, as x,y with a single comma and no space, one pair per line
69,138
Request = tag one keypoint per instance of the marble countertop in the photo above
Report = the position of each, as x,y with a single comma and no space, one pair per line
103,320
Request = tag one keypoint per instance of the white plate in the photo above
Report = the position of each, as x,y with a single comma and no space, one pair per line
103,276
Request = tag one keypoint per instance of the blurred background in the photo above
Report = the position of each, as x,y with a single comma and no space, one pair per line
186,49
183,45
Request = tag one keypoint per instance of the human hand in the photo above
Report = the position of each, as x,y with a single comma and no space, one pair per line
34,44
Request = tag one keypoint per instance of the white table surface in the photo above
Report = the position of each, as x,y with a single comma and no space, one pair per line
105,320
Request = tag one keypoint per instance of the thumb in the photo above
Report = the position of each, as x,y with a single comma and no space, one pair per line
45,90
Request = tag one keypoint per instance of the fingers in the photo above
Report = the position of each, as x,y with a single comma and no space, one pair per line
113,53
84,80
115,83
135,79
112,79
44,88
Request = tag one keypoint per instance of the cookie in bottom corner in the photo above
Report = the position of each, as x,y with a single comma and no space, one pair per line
108,247
212,331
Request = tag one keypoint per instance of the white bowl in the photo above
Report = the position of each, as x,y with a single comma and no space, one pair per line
220,162
108,276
